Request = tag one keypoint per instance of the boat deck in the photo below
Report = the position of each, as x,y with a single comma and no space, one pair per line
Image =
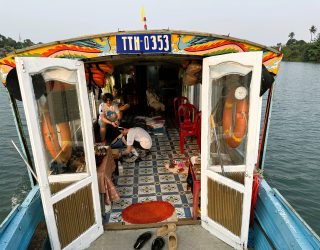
189,237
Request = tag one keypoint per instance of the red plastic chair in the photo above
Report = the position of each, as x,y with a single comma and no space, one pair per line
177,101
194,130
186,115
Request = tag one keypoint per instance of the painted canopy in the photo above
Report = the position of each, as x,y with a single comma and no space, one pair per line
181,43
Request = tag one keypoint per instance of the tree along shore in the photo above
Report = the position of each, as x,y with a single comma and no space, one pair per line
7,45
301,51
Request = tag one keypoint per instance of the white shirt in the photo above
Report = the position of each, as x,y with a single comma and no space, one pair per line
104,109
139,135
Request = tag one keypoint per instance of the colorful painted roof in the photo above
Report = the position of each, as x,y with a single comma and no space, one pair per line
182,43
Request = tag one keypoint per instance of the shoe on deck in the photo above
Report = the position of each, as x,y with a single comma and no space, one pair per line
172,241
142,239
157,243
166,229
131,159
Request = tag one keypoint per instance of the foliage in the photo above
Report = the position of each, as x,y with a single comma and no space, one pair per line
7,45
313,31
291,35
301,51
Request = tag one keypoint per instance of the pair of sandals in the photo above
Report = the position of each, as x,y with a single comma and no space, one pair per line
135,158
170,230
159,242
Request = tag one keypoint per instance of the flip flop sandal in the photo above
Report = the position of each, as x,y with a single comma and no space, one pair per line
172,241
166,229
142,239
158,243
131,159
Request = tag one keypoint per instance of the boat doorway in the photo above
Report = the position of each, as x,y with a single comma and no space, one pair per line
148,179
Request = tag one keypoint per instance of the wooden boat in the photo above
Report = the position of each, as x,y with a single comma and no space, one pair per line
57,79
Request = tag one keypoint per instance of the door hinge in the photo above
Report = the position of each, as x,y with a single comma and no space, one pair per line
22,66
248,175
243,246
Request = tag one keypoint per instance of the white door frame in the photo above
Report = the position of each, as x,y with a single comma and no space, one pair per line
26,67
253,59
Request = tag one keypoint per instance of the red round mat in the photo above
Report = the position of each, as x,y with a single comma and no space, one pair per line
147,212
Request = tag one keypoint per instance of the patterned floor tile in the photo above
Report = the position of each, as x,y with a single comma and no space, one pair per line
147,158
147,179
147,189
166,178
128,172
162,170
162,138
145,171
122,203
128,165
175,139
165,148
145,164
147,198
179,156
180,212
174,136
169,188
125,180
154,149
164,143
174,199
183,177
162,156
125,191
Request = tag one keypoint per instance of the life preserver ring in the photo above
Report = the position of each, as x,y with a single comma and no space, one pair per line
59,147
60,153
234,130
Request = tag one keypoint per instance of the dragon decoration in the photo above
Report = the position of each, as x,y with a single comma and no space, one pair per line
106,45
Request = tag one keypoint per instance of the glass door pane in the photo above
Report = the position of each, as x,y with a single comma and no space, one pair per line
57,97
229,115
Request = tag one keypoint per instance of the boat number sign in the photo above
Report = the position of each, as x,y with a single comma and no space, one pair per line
143,43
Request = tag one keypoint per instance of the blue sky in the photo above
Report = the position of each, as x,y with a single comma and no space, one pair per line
265,22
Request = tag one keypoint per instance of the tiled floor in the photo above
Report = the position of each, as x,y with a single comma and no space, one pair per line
148,180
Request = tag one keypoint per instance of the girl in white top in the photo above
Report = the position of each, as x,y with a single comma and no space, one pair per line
109,115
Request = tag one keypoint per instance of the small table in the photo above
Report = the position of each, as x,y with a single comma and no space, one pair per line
195,170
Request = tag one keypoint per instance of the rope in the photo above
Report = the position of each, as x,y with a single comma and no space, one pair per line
257,178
